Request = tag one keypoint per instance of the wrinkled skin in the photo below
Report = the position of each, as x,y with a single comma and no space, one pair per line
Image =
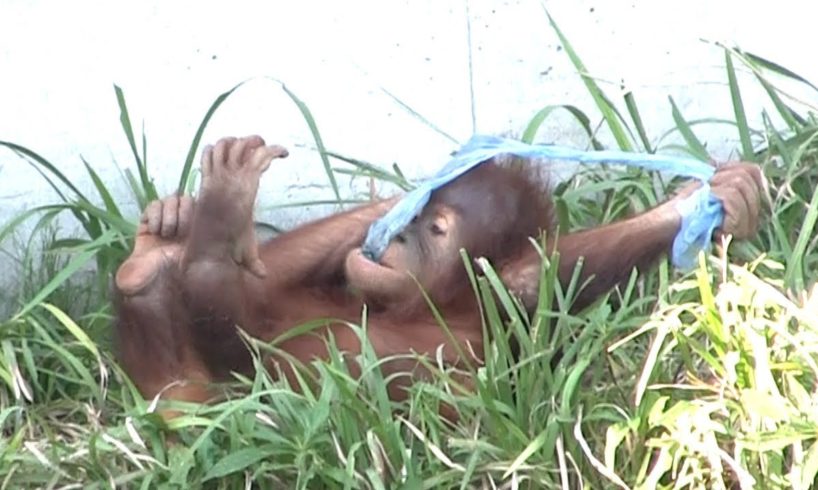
197,270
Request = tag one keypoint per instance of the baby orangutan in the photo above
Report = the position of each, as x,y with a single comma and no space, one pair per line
197,272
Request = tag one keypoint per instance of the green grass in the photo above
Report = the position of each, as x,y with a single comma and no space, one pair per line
699,380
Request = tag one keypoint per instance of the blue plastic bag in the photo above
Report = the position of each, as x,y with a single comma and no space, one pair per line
701,212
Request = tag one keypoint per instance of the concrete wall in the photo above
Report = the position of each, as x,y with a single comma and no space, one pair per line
59,61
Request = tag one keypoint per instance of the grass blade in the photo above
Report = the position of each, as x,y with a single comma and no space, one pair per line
397,178
420,117
633,110
107,199
541,115
75,330
790,117
76,263
794,276
197,138
738,108
319,143
125,121
775,67
7,228
35,158
609,112
695,146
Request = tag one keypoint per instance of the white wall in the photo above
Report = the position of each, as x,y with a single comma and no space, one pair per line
59,61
